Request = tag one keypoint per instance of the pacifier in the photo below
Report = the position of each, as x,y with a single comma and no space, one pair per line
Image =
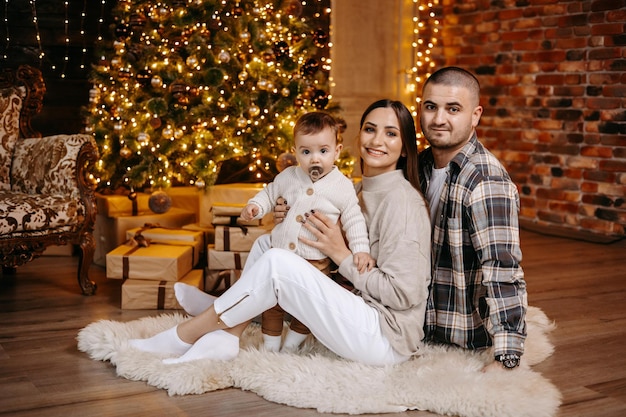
315,173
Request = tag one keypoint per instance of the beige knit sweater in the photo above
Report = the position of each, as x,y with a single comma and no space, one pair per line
399,233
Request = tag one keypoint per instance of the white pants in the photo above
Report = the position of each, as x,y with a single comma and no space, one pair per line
339,319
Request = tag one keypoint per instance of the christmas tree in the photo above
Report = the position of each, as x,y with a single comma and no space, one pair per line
183,87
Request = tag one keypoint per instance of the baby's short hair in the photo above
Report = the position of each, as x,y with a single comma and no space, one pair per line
314,122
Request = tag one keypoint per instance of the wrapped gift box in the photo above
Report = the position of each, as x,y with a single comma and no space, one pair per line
172,236
116,205
166,233
220,260
207,231
139,294
228,214
159,262
186,198
227,194
110,232
216,282
237,239
227,209
235,221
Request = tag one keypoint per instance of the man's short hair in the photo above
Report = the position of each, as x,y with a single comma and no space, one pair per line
455,76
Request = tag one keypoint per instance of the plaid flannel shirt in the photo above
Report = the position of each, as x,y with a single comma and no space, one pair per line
478,295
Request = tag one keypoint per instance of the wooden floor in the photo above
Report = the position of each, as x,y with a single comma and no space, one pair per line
580,285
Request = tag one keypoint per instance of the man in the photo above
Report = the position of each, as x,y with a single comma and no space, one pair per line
478,293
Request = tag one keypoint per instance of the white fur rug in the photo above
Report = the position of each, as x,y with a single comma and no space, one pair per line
443,381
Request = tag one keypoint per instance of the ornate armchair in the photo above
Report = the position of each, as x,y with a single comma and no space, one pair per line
47,196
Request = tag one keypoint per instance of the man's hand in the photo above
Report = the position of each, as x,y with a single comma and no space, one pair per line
364,262
494,366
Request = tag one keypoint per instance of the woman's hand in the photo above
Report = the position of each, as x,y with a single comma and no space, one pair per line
329,237
280,210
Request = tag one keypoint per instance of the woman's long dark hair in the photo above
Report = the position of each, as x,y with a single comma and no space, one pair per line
409,164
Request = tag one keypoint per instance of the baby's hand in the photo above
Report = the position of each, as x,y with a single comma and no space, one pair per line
364,262
249,212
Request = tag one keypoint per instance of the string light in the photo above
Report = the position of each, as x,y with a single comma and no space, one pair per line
6,25
101,19
425,35
33,7
83,16
66,24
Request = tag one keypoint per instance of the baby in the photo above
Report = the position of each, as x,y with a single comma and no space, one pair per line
314,184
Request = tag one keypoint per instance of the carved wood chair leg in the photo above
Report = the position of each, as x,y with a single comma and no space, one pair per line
87,250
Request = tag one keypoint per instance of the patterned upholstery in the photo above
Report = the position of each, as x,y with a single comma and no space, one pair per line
47,196
10,107
44,195
55,171
27,212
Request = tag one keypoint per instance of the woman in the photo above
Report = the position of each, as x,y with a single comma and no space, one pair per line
380,324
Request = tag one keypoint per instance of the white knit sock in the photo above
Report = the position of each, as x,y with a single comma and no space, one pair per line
166,342
293,340
192,299
271,343
218,345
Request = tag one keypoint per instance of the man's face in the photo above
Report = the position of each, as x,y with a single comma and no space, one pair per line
316,153
449,114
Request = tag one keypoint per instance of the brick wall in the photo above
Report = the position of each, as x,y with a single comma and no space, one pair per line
554,91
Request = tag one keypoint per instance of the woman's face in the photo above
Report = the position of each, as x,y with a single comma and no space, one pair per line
380,142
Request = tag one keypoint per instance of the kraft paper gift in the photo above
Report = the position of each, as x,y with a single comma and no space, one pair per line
235,221
228,214
110,232
116,205
216,282
219,260
186,198
166,233
236,193
237,239
139,294
158,262
207,231
172,236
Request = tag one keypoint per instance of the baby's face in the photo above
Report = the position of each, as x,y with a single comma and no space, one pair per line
317,153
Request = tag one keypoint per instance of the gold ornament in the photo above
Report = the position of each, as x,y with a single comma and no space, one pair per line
156,81
254,110
191,61
143,138
159,202
223,57
125,152
168,132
